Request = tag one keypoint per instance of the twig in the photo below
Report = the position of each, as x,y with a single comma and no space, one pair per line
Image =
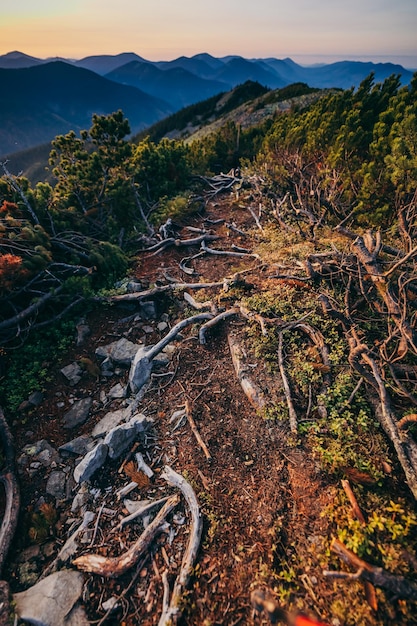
194,428
354,503
113,567
287,391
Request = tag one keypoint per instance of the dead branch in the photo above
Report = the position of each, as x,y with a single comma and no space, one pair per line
179,243
287,390
399,586
113,567
149,293
11,488
406,421
200,306
141,367
195,430
227,252
143,508
256,218
353,502
221,316
173,613
250,388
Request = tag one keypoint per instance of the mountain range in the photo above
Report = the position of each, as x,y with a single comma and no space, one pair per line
41,98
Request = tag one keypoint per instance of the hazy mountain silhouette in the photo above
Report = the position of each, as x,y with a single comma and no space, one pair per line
176,84
39,102
40,98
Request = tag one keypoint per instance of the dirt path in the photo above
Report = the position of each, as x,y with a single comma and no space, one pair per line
262,494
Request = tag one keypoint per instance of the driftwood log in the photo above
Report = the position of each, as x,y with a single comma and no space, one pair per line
172,613
113,567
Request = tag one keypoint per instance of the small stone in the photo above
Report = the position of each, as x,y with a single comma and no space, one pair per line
117,392
92,461
60,405
56,484
83,331
120,352
36,398
72,373
78,413
162,326
78,446
148,310
120,438
133,286
147,329
111,420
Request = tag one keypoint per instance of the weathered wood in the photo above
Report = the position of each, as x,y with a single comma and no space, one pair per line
11,488
250,388
113,567
399,586
221,316
193,425
287,390
171,615
155,291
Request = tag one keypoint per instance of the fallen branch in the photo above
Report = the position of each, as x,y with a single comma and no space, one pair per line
148,293
172,614
353,502
8,478
399,586
113,567
250,388
195,430
179,243
221,316
227,252
141,367
143,509
287,390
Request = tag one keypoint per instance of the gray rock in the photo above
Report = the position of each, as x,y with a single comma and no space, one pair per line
39,452
36,398
162,326
133,286
55,485
53,601
78,413
111,420
140,370
72,373
148,310
148,329
120,438
91,462
78,446
117,392
120,352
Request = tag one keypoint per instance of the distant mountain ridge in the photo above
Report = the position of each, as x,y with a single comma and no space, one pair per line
44,97
42,101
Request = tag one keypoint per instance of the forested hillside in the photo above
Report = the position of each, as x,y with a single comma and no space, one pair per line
273,266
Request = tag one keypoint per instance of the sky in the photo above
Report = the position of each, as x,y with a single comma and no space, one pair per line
309,30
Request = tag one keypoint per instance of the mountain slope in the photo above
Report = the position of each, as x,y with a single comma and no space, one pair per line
16,60
174,84
40,102
105,63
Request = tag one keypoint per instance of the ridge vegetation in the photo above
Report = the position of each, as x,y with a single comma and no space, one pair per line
319,292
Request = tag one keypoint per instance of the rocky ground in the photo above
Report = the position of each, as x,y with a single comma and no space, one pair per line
92,450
